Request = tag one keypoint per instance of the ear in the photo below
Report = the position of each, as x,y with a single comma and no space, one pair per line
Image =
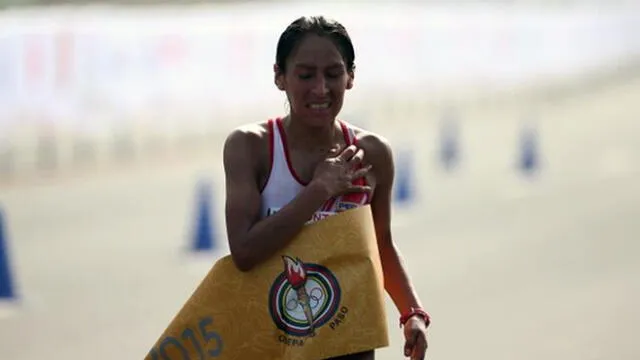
277,77
350,80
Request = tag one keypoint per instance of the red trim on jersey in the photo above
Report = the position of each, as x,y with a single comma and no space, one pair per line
271,153
329,204
287,156
345,133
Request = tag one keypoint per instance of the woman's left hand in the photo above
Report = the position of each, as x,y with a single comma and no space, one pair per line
415,334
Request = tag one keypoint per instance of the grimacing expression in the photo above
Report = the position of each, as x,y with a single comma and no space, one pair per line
315,80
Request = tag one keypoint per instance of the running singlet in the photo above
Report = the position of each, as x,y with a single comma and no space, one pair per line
283,183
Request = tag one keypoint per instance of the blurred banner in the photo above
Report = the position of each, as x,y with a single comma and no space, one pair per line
85,69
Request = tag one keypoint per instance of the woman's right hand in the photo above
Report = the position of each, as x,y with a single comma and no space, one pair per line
336,174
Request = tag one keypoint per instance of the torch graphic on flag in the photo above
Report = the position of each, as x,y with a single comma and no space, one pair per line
297,277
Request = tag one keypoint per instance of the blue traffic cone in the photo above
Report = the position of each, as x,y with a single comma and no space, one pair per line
449,141
404,191
529,161
6,281
203,234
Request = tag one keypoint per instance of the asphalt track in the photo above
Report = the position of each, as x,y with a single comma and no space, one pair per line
510,266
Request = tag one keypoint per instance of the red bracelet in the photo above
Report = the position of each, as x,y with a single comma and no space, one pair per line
415,311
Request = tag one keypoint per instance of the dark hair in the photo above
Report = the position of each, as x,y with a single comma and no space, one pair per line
317,25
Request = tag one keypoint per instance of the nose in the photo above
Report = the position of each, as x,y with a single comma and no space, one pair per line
320,87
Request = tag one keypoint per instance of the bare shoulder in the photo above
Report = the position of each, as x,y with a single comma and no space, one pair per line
251,136
377,153
247,145
376,147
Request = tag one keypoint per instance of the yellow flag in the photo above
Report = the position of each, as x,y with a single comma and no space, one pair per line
321,296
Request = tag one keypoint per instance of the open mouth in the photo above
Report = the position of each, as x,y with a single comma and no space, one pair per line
319,106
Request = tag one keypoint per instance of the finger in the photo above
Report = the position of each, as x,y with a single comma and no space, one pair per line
420,348
347,153
335,151
361,172
358,157
359,189
408,349
409,345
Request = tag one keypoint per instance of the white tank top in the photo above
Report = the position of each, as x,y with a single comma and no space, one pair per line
283,184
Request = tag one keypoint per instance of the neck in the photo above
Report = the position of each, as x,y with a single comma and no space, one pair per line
308,137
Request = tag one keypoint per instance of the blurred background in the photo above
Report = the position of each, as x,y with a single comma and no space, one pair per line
515,124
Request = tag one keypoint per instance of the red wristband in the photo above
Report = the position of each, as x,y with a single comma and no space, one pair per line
415,311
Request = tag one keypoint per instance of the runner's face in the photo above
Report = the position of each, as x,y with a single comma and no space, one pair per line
315,81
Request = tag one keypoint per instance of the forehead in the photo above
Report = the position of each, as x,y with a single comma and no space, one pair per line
316,51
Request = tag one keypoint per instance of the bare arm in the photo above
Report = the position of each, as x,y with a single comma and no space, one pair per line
252,241
396,278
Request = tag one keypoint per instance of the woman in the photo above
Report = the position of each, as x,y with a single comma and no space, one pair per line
284,173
